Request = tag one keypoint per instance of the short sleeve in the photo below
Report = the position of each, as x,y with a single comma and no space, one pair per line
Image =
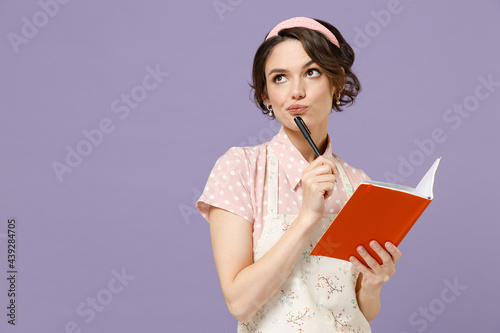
227,186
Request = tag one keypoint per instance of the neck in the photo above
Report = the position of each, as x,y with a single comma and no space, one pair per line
319,137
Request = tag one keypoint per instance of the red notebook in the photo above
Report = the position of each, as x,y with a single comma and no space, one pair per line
376,210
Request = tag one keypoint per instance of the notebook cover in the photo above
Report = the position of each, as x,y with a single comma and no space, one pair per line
371,213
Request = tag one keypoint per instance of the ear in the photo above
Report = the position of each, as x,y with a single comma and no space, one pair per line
334,91
265,99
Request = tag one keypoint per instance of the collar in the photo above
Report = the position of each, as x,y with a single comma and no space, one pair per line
290,159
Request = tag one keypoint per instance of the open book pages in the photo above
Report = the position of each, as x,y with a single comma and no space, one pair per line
423,189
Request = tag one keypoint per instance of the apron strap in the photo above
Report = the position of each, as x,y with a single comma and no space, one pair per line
272,183
343,175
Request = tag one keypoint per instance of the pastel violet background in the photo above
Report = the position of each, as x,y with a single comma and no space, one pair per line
116,244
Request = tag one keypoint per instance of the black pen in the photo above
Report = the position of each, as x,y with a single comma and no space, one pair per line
307,134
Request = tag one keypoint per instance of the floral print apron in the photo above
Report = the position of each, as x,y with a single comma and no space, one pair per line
319,294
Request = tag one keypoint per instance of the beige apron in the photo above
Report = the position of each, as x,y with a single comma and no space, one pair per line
319,294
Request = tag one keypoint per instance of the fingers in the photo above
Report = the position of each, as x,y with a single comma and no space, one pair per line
323,162
321,178
359,266
373,264
320,172
323,183
319,169
318,182
394,251
389,259
374,278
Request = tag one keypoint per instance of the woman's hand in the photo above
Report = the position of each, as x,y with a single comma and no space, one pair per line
374,276
318,182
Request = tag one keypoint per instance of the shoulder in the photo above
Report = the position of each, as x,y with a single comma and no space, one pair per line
250,157
230,185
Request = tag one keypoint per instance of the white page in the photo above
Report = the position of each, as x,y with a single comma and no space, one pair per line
427,183
423,189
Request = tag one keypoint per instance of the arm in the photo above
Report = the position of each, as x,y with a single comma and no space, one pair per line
369,304
370,280
246,286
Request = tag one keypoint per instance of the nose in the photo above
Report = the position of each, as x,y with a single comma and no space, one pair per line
298,89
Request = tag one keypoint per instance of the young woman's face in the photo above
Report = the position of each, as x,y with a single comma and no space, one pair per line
297,87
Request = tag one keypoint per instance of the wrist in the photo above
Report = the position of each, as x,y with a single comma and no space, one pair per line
307,221
309,217
370,292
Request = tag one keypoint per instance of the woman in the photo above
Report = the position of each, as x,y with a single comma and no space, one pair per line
269,204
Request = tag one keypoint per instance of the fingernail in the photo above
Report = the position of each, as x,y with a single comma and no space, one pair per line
389,245
361,250
374,244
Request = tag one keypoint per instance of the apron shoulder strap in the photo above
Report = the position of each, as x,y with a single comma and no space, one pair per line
272,182
349,190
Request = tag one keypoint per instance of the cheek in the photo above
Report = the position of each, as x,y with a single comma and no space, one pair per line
275,95
324,95
327,89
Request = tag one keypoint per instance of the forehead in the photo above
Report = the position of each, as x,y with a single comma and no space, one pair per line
289,54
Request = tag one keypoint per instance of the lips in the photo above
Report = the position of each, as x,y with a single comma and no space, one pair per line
297,109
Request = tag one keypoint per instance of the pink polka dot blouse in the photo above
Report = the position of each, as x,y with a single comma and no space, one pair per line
237,182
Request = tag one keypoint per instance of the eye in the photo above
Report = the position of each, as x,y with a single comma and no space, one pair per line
313,72
279,78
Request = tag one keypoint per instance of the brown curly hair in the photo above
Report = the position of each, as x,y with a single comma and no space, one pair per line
335,61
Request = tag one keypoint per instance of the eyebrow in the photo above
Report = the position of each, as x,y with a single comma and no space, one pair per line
281,70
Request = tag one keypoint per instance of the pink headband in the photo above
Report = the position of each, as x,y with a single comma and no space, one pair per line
304,22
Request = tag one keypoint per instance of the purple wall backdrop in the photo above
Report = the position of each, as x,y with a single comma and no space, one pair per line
113,114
